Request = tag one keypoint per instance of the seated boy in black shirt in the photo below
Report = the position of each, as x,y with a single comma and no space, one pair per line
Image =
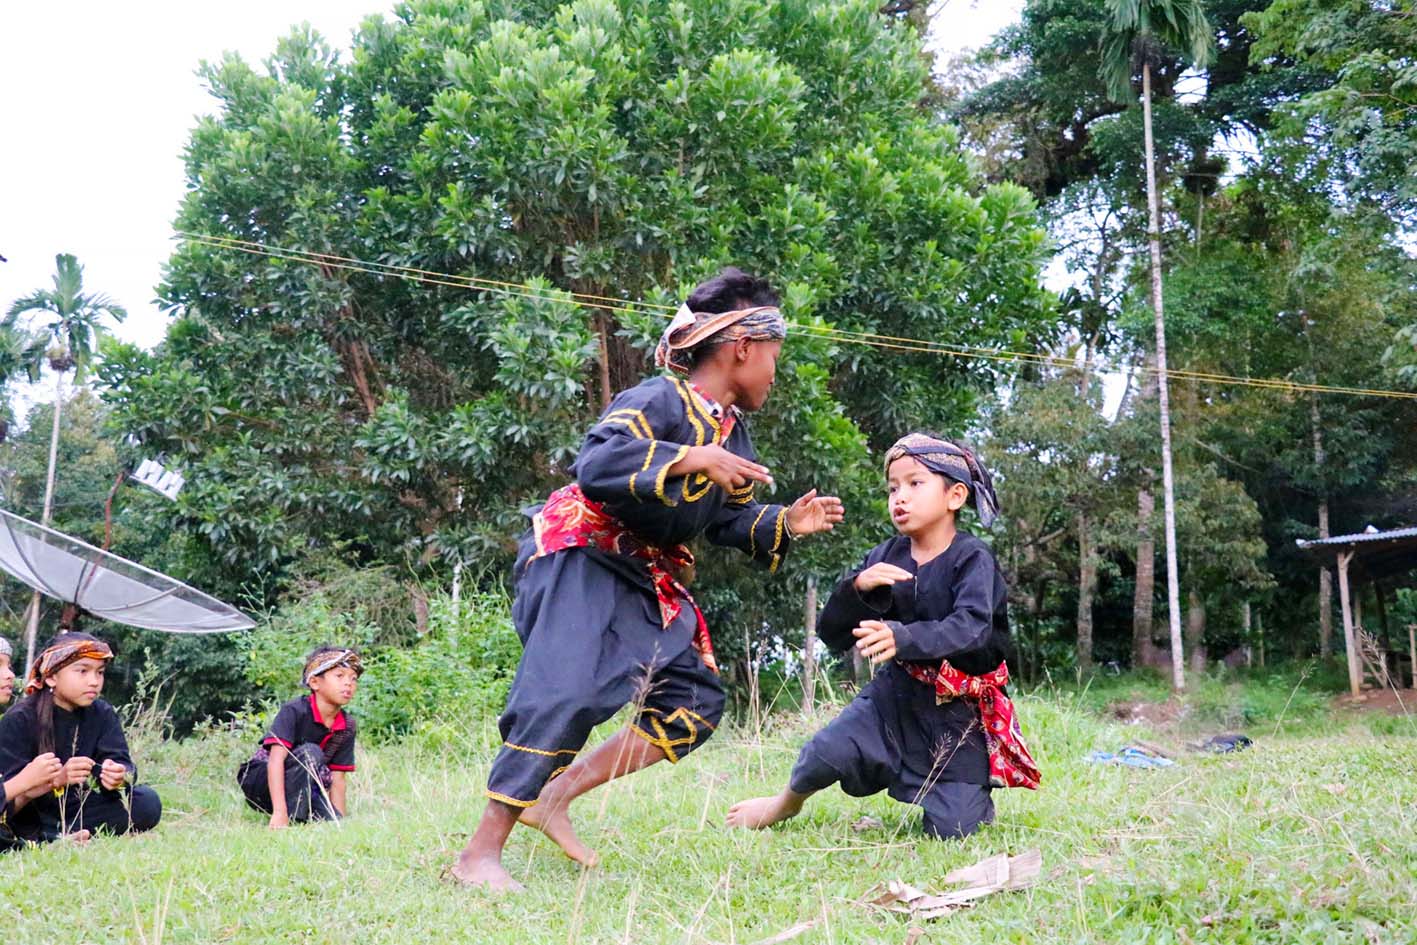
298,773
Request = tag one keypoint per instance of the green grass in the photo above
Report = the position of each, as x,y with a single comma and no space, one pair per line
1307,837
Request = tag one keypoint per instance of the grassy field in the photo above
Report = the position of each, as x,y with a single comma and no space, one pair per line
1307,837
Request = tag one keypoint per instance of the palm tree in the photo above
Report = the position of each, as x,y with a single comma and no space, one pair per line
73,331
1137,34
21,353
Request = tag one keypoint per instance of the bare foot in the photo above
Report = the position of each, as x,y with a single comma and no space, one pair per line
487,872
554,821
79,837
759,812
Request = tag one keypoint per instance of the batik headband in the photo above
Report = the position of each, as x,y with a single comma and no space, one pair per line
689,330
5,648
59,655
326,660
954,461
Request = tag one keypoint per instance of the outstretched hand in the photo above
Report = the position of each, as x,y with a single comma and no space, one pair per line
724,468
814,513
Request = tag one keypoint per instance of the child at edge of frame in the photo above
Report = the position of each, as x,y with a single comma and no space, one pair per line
63,756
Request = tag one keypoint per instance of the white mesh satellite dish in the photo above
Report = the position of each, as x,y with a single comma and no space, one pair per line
106,585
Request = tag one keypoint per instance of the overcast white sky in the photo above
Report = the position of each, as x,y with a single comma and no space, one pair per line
97,100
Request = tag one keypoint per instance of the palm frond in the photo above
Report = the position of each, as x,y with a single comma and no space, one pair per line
40,300
1180,25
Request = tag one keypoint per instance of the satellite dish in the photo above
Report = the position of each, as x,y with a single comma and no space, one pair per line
166,482
106,585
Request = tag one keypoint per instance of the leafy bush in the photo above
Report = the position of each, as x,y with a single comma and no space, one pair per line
452,680
445,683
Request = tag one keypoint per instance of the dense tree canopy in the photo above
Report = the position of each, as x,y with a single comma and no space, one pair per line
621,150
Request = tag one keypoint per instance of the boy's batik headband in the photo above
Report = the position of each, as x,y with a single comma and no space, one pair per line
689,330
326,660
954,461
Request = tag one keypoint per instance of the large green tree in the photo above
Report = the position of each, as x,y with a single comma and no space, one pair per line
607,148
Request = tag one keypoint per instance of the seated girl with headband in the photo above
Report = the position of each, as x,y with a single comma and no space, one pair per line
65,761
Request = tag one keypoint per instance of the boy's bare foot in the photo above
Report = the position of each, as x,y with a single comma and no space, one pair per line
554,821
759,812
79,837
487,872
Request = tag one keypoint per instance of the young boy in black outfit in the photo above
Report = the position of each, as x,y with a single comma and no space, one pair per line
601,603
298,774
934,727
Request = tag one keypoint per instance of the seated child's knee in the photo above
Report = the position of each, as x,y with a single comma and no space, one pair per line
144,808
957,811
308,756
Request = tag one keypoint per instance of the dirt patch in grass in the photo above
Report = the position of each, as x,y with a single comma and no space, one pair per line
1393,702
1160,715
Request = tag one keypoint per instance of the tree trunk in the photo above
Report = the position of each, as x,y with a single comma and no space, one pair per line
809,650
32,631
1173,578
1145,590
1325,579
1246,627
1087,588
606,393
1195,630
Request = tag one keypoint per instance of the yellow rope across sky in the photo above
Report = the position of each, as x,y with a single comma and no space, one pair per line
842,335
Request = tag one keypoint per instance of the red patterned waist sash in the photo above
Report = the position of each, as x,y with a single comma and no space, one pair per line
1010,764
570,520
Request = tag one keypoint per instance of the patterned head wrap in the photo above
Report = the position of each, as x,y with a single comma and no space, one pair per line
690,330
324,660
5,648
953,461
60,654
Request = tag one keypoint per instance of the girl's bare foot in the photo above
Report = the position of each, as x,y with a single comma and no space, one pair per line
553,820
759,812
487,872
79,837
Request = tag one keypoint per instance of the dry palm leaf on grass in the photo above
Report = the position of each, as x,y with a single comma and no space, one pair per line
1000,873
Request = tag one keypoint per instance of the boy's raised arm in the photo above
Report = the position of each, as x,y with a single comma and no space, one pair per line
848,605
625,455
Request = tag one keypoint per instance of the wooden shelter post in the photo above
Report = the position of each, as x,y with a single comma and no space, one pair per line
1350,636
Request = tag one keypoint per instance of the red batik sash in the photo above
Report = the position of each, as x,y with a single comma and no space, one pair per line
1010,764
570,520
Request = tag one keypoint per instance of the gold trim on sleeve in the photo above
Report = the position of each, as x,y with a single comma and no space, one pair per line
664,473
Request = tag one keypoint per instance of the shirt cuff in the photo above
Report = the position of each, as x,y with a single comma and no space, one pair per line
877,600
904,641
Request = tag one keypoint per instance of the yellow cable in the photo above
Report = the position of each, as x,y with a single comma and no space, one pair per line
847,336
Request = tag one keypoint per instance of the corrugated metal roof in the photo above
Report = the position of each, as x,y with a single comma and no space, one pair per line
1394,534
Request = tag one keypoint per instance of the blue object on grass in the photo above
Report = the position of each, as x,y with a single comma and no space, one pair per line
1132,757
